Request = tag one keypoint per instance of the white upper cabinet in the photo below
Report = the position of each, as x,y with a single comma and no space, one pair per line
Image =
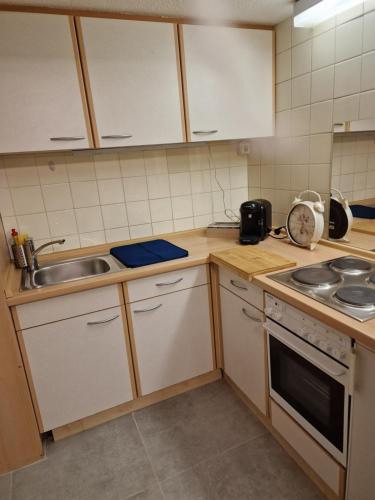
135,81
229,82
40,98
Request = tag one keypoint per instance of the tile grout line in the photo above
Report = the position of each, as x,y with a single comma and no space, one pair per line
148,456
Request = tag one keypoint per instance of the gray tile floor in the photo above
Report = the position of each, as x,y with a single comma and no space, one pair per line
202,445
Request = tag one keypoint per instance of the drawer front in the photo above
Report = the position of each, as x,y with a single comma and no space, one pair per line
68,306
161,284
78,366
318,459
251,293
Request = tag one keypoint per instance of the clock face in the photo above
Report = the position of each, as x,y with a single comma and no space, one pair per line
301,224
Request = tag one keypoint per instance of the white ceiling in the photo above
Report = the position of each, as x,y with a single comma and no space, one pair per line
249,11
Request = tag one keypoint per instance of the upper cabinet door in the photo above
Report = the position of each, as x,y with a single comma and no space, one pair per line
229,82
134,77
40,97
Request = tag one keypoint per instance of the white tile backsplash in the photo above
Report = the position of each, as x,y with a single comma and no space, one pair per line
349,40
301,59
322,82
348,77
323,50
368,71
89,198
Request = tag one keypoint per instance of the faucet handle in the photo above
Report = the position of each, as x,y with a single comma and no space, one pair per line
29,248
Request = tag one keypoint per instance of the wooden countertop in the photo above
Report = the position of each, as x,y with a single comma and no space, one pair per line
200,249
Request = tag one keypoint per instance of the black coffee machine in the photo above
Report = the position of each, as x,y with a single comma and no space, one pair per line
256,221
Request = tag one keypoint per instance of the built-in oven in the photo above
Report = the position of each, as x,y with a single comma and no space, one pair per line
308,382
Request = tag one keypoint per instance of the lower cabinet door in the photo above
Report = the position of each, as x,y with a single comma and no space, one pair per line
244,347
78,366
172,336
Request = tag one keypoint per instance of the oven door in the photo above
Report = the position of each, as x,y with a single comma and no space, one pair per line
311,387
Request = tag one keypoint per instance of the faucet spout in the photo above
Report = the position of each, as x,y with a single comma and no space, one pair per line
32,260
45,245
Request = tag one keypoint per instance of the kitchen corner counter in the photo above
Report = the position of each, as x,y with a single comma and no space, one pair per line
200,249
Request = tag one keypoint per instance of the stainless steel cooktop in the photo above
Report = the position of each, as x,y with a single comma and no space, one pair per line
346,284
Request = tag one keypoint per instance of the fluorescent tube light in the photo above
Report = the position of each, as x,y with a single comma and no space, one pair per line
309,13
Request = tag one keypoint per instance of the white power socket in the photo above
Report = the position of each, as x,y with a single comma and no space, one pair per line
244,148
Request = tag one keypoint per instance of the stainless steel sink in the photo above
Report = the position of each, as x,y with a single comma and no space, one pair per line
70,270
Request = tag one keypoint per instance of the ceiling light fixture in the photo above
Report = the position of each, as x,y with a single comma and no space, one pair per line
309,13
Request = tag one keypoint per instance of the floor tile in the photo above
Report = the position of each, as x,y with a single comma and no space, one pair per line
5,485
198,426
257,470
105,463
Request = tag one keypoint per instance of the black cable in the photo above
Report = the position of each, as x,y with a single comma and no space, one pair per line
277,231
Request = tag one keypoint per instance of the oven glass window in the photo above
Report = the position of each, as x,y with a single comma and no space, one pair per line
312,393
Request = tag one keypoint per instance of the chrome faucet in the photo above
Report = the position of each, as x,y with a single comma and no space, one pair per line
31,254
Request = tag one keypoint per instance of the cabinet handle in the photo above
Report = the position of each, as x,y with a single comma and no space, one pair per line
205,132
136,311
67,138
170,283
257,320
103,321
235,283
117,136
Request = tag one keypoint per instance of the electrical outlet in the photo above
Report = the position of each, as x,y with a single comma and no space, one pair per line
244,148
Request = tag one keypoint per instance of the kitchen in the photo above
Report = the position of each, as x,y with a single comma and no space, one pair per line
145,352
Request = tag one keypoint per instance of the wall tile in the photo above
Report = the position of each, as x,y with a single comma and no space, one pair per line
114,216
299,176
348,77
182,207
110,191
321,117
349,40
320,148
52,170
284,96
349,14
367,105
158,186
57,196
300,121
138,212
177,160
368,71
202,203
319,178
220,179
300,151
284,66
107,166
203,220
92,238
6,203
346,109
369,32
117,234
81,168
198,158
62,222
323,50
27,200
132,164
322,84
161,209
284,35
135,188
369,5
238,177
163,227
156,162
85,194
200,181
301,91
283,123
89,219
180,184
301,59
141,231
300,35
21,176
35,225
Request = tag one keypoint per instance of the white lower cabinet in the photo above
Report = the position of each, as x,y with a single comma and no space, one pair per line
172,336
79,366
244,347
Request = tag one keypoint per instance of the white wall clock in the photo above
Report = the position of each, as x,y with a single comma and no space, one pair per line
305,222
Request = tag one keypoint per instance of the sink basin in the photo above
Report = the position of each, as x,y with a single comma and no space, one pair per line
70,270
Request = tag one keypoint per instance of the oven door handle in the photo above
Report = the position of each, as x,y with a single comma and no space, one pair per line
319,365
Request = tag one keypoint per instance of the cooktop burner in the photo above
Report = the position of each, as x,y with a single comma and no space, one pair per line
351,265
346,284
316,276
357,296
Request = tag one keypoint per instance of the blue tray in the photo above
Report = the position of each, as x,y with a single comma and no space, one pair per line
147,253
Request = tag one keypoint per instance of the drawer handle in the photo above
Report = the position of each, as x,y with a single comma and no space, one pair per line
117,136
205,132
73,138
136,311
257,320
170,283
235,283
103,321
